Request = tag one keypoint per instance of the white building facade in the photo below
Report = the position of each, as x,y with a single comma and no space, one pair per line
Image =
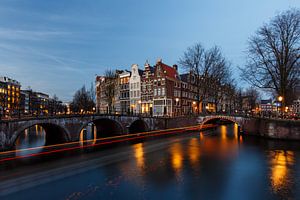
135,89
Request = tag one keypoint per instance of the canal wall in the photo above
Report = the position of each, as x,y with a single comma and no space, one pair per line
272,128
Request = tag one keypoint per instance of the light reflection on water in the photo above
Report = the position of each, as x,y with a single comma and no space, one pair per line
176,152
281,163
32,137
88,133
221,165
139,155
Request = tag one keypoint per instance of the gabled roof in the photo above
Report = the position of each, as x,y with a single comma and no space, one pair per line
169,71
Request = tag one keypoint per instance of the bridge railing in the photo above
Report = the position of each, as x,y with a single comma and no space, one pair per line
72,115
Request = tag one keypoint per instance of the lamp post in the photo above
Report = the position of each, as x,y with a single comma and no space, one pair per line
280,99
194,104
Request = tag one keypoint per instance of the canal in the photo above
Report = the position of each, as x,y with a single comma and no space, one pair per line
215,164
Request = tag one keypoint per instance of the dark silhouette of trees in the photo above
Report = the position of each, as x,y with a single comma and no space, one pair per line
82,101
211,69
253,97
273,56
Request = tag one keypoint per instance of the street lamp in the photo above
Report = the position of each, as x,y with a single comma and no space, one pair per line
94,109
280,99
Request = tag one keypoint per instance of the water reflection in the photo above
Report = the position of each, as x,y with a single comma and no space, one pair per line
214,164
139,155
32,137
89,133
194,152
176,152
223,132
281,163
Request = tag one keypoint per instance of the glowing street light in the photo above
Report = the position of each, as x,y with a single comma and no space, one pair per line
280,98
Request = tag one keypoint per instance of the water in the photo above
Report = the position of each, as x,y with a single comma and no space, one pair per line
207,165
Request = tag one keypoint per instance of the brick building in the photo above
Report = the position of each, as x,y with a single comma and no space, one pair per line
166,90
147,89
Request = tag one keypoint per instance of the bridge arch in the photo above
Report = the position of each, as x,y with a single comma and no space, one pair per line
138,126
54,133
105,127
214,118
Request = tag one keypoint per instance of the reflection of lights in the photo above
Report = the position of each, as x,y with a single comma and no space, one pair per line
81,137
279,172
223,132
36,129
201,135
139,154
176,153
235,130
95,134
194,151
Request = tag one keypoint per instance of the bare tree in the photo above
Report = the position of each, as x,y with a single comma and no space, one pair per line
274,53
192,61
210,69
110,88
253,96
92,92
82,101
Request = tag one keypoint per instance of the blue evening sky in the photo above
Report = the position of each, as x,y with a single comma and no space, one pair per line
56,46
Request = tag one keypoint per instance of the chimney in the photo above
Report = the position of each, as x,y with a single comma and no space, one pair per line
159,60
175,67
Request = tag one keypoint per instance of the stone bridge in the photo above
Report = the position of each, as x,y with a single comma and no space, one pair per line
60,129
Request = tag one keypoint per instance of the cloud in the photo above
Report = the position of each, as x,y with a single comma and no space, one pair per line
15,34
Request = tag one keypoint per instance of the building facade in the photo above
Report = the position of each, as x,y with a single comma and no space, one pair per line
124,96
108,94
135,89
147,89
34,103
189,100
166,90
9,96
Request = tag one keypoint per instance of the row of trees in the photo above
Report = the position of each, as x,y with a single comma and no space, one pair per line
273,56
